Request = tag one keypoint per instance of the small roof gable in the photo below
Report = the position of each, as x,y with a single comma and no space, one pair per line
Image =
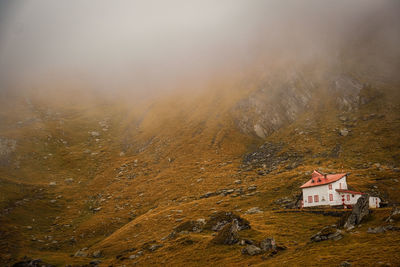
318,178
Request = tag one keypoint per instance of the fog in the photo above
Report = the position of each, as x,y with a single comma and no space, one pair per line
152,46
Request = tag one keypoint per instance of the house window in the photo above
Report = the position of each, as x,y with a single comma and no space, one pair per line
352,195
316,199
330,186
309,199
348,197
330,197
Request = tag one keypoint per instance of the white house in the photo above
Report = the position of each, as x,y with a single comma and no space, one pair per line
331,189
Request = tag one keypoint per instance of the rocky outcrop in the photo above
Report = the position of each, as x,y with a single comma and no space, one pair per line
327,233
360,210
274,104
218,220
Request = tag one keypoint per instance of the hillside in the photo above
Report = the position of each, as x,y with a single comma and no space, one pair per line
117,178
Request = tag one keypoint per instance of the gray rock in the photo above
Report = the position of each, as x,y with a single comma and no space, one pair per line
251,250
376,230
360,210
97,254
208,194
327,233
344,132
253,210
81,253
228,234
345,264
53,183
252,188
155,247
268,244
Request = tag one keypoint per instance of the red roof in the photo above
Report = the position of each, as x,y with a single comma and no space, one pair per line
318,178
349,191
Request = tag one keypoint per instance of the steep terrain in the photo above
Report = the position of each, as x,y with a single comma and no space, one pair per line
79,177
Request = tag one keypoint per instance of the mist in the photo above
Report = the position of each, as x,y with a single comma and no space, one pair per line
147,47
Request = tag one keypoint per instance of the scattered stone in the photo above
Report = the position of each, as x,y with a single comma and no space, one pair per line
52,183
344,132
251,250
53,201
208,194
253,210
238,181
154,247
94,134
360,210
345,264
327,233
69,180
81,253
29,227
252,188
97,254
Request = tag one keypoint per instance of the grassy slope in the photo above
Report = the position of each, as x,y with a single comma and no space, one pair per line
206,151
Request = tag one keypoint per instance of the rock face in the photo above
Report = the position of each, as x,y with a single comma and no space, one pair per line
228,234
276,103
327,233
360,210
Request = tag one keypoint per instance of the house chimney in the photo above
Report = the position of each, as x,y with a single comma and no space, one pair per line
325,176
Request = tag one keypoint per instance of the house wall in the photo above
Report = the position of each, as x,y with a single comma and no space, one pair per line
374,202
323,192
353,198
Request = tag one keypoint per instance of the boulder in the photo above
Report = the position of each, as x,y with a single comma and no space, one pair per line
251,250
327,233
228,234
360,210
268,244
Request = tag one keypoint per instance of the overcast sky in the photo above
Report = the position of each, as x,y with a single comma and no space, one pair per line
156,43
